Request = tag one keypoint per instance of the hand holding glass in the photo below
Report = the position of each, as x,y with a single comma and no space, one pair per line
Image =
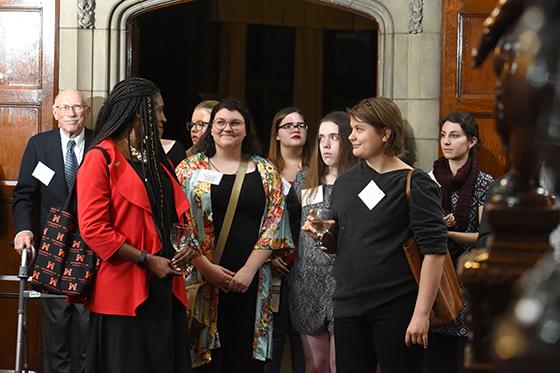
322,220
182,237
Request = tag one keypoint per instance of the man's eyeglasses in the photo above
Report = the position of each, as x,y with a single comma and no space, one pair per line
200,125
220,124
65,108
293,126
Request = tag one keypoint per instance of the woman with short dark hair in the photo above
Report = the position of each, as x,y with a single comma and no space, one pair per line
235,334
381,315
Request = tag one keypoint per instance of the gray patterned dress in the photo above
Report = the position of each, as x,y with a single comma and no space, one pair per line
311,278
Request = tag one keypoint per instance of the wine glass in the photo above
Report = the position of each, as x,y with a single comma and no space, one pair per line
182,236
321,226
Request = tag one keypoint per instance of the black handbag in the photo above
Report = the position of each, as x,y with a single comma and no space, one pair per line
65,264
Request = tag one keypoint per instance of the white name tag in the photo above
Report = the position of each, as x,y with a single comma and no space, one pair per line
43,173
371,195
311,196
210,176
286,186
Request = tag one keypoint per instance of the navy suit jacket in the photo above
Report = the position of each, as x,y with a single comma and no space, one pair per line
31,193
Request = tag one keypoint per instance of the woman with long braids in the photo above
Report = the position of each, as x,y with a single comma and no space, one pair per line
232,331
126,206
463,188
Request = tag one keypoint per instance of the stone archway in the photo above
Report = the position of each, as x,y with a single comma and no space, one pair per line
125,10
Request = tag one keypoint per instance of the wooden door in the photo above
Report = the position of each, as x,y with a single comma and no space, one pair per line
28,55
464,88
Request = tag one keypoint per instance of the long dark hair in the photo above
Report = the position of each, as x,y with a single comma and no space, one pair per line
468,125
250,144
130,97
346,159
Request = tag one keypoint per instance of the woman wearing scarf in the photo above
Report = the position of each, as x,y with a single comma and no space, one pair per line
463,188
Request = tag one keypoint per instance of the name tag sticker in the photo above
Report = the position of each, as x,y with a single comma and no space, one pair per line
43,173
210,176
311,196
371,195
286,186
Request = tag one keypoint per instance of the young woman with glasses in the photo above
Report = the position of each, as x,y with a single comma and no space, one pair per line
288,152
199,122
235,333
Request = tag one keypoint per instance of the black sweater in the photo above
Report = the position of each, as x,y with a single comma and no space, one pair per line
371,268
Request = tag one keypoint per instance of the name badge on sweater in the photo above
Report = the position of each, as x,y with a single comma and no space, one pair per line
371,195
210,176
286,186
311,196
43,173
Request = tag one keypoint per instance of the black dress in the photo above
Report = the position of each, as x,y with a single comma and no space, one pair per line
236,311
156,340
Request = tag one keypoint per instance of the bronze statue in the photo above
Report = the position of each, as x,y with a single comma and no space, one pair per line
526,37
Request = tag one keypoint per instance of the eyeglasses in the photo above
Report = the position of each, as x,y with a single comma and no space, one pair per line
65,108
220,124
200,125
293,126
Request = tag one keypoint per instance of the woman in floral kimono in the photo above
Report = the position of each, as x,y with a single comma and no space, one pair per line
230,324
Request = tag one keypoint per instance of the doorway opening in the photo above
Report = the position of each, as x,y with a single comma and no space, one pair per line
282,53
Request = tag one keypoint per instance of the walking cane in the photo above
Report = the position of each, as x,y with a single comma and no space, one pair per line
23,275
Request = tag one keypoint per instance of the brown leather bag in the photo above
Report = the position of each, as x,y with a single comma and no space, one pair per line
448,300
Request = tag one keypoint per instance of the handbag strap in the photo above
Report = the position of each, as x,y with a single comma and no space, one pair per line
232,205
407,191
70,203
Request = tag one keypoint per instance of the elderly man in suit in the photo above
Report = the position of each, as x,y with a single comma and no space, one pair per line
47,173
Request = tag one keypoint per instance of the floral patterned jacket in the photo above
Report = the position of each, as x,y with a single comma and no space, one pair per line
274,234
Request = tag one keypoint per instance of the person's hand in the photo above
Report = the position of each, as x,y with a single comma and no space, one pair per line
449,220
241,280
183,258
280,267
308,226
417,331
23,241
219,276
160,266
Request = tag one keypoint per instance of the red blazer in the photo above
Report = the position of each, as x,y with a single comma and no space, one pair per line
113,208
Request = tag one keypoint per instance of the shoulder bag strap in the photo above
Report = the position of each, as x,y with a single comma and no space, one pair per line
232,205
407,190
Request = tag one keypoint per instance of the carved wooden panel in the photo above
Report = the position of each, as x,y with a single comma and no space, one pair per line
464,88
28,66
20,48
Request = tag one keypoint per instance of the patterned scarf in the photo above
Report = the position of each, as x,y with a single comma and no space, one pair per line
463,183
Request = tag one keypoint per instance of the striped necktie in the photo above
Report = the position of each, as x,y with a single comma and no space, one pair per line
71,165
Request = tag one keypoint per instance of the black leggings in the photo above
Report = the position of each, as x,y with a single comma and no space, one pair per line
378,337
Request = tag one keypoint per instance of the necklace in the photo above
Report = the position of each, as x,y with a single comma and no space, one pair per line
136,154
217,169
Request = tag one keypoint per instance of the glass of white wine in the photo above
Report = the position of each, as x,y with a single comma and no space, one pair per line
182,237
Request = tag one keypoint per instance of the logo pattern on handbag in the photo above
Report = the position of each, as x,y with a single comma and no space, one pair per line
65,264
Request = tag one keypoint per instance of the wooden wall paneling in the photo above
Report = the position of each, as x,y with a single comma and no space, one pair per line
464,88
28,80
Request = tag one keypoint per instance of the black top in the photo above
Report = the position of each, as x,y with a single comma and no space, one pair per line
162,227
371,268
177,153
245,227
